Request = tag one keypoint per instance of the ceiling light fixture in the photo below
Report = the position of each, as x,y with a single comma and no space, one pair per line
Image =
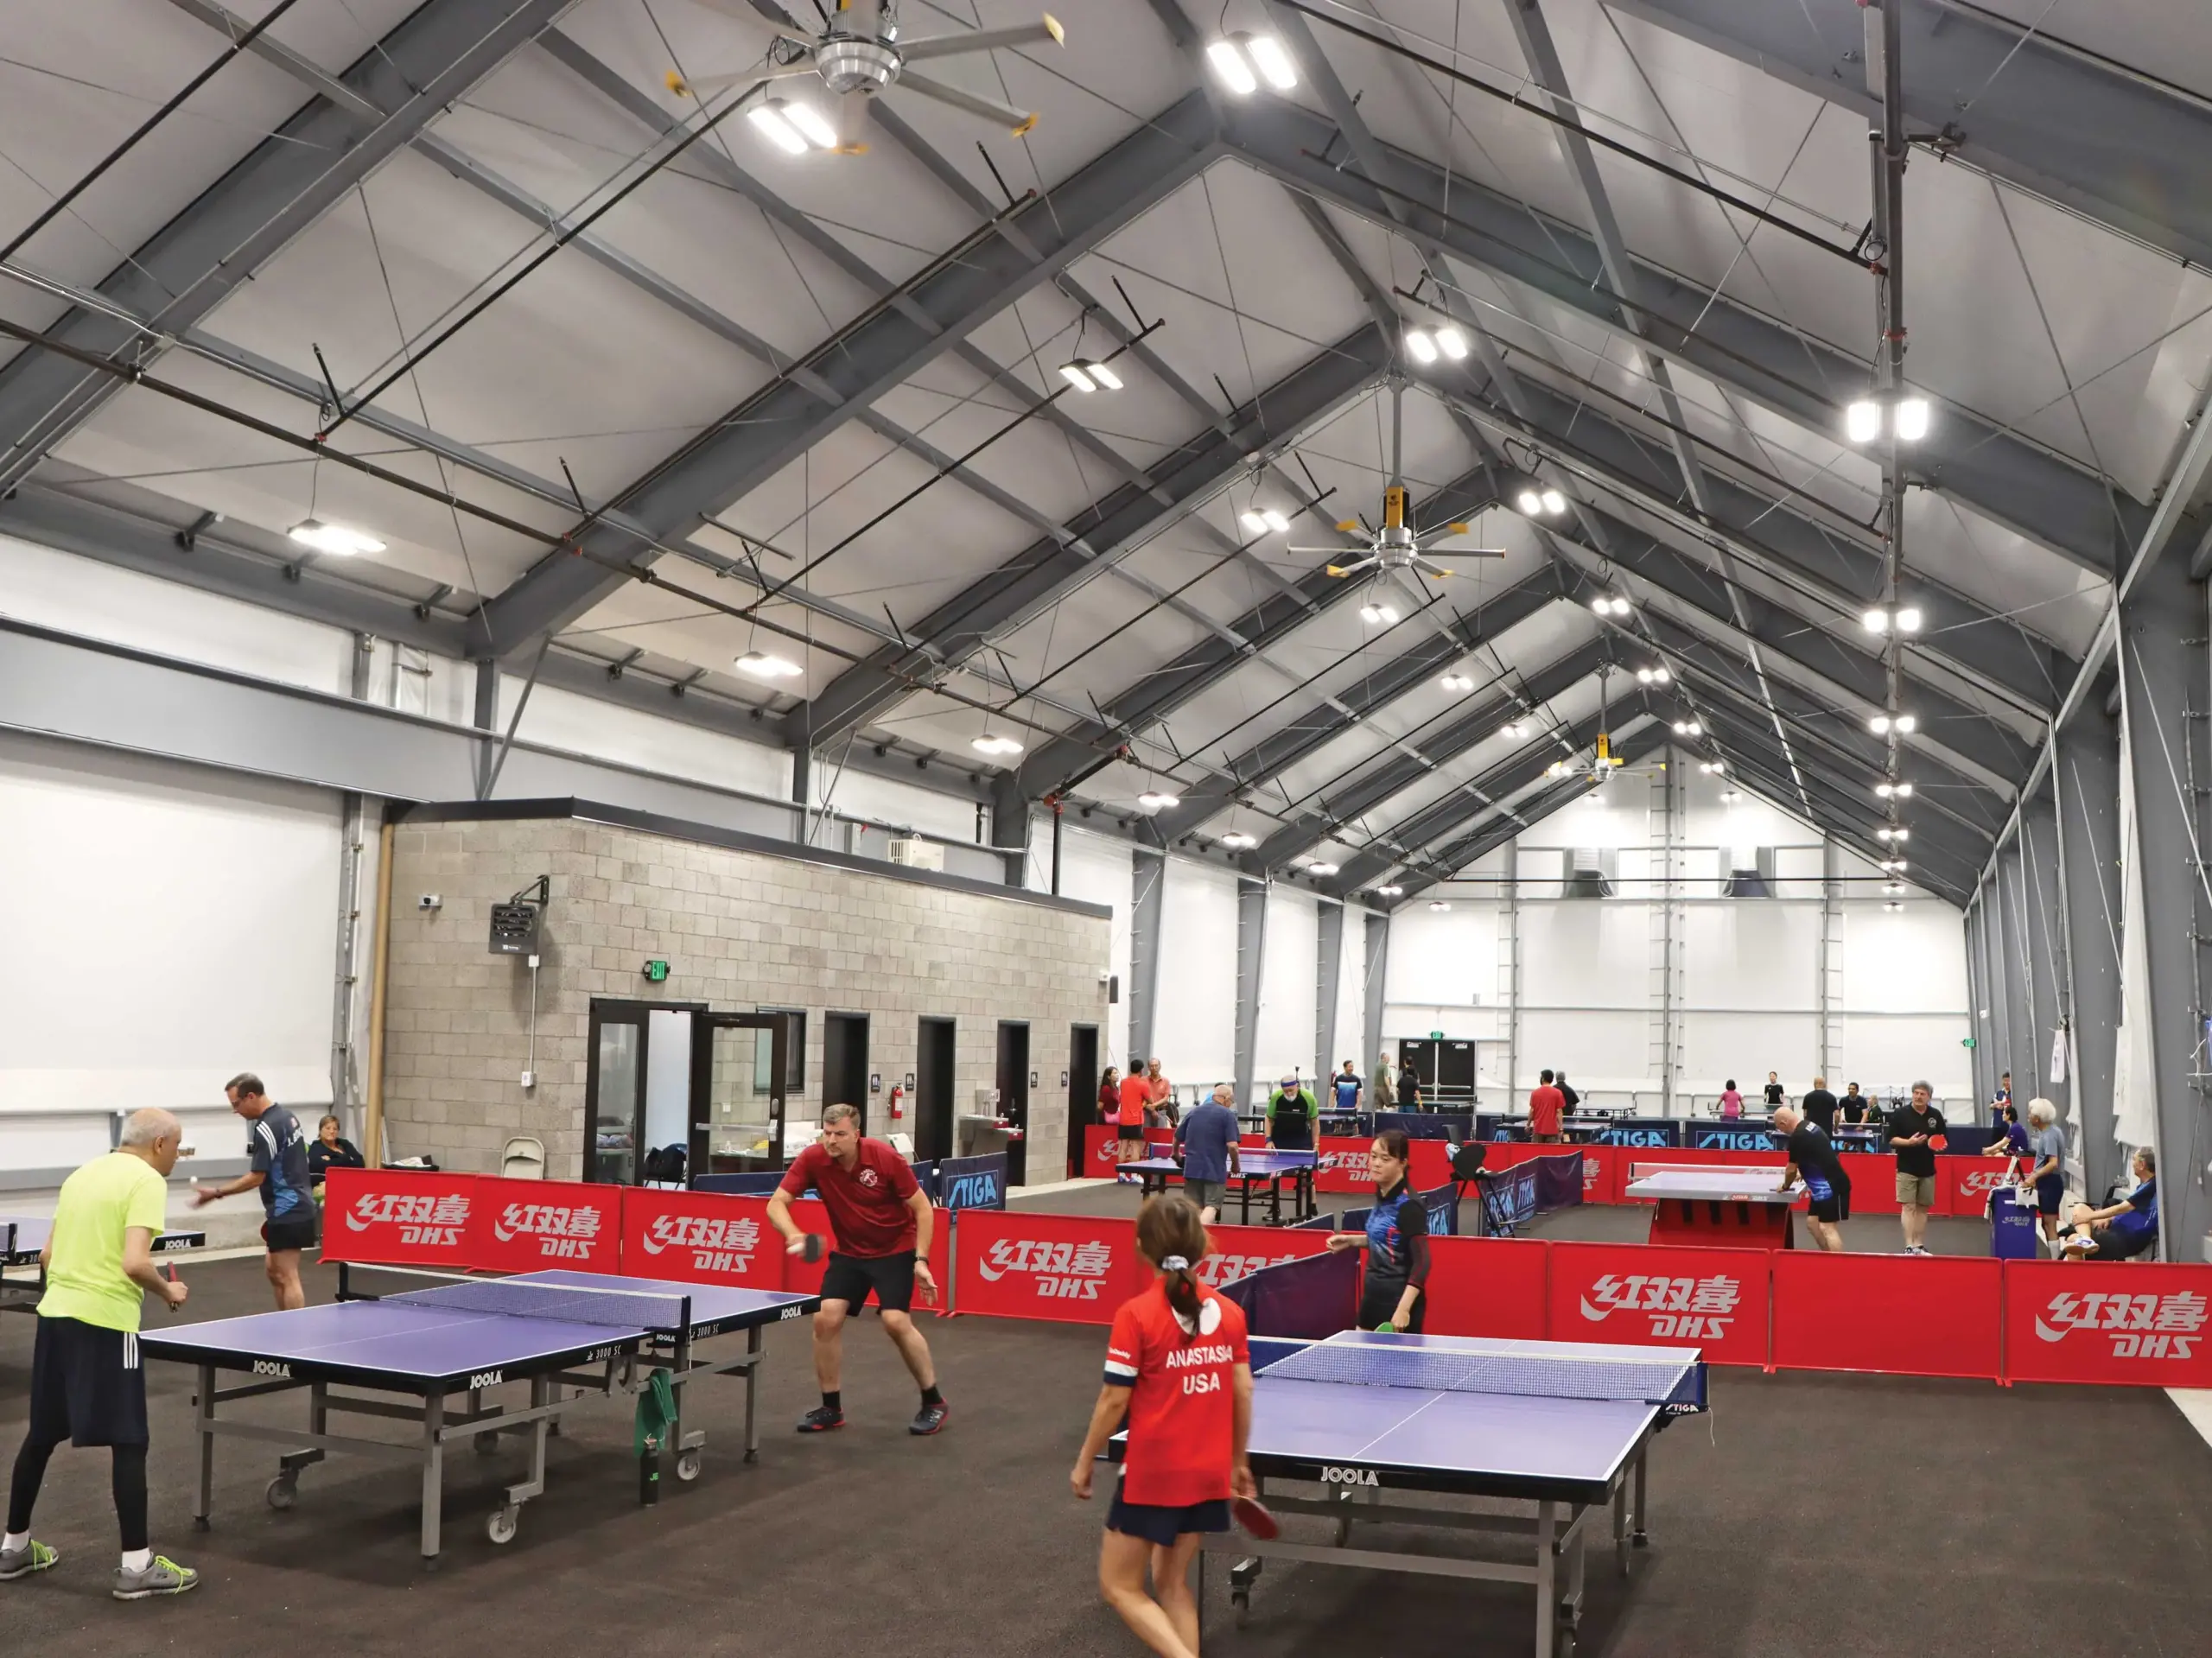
1423,346
1893,906
335,538
762,665
1320,869
1390,891
1906,620
1895,889
1893,865
1517,730
992,743
793,128
1688,728
1893,792
1607,604
1457,682
1262,520
1238,841
1241,61
1452,343
1437,906
1882,724
1730,797
1555,503
1088,374
1373,613
1535,502
1866,419
1154,800
1709,767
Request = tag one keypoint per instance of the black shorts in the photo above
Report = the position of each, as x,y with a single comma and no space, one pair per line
293,1232
87,1385
2050,1194
1378,1303
849,1278
1132,1131
1162,1525
1836,1206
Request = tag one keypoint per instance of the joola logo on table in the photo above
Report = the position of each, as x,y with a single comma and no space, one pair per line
422,1216
1070,1272
717,1244
1696,1309
562,1233
1348,1476
2140,1326
1217,1270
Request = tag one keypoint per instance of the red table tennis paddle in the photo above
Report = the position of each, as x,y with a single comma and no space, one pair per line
1254,1520
1938,1142
168,1272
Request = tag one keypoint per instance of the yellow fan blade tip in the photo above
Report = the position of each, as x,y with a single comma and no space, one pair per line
1022,131
1440,572
677,84
1335,569
850,149
1346,526
1052,28
1460,528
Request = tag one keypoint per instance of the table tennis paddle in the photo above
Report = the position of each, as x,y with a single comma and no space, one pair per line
1254,1520
169,1271
809,1247
1386,1328
1938,1142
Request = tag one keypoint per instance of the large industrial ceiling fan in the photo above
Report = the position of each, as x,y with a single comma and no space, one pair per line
1395,550
854,60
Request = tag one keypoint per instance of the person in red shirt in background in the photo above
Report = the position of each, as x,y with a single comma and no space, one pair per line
1136,1100
1546,1103
882,1222
1179,1368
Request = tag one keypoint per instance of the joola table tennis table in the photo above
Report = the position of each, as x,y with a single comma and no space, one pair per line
1566,1426
1266,1170
22,1237
429,1355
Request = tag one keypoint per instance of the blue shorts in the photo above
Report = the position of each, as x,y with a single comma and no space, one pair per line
2050,1191
1162,1526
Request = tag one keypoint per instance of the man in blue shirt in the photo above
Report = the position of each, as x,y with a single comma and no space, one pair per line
276,1163
2128,1227
1347,1085
1206,1144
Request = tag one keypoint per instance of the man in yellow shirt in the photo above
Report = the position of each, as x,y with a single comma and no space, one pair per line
87,1385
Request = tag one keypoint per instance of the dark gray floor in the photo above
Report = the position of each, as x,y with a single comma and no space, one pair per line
1820,1515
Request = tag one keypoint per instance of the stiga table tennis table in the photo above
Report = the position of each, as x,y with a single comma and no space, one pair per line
1564,1426
1267,1169
1716,1207
429,1355
24,1236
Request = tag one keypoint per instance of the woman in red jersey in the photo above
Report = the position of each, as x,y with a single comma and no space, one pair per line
1177,1367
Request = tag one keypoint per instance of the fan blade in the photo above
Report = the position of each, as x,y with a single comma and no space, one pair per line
1351,569
1346,526
703,87
984,40
1017,122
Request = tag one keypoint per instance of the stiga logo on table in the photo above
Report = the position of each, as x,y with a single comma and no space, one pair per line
716,1244
562,1233
1697,1309
421,1217
2139,1326
1070,1272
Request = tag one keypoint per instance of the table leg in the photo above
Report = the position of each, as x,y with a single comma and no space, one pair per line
1620,1527
203,1422
1546,1579
433,1470
1572,1601
752,1345
1639,1537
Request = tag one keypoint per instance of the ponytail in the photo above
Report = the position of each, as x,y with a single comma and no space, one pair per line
1171,1235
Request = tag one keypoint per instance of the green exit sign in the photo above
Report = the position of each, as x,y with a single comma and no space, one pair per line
656,971
1968,1042
1436,1036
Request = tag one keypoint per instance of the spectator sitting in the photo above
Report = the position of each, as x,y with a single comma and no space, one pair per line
2010,1139
327,1150
2127,1229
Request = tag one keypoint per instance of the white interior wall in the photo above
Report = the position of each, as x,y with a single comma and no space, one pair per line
1194,1028
1095,868
1288,1004
583,725
902,805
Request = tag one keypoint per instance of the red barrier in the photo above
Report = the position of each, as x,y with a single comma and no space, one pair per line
1238,1252
1638,1294
399,1218
1900,1315
1488,1287
1873,1182
519,1226
1963,1184
1020,1264
700,1237
2142,1324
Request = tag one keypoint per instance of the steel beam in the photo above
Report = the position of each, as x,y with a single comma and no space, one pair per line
1983,89
1251,959
1376,970
425,65
2086,778
1977,996
2046,499
885,346
1148,887
1328,969
1300,740
2013,969
2047,937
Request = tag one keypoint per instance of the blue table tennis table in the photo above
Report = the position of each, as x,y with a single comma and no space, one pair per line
24,1236
429,1355
1564,1426
1254,1167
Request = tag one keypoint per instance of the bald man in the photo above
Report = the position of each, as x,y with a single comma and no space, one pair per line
1812,1160
87,1385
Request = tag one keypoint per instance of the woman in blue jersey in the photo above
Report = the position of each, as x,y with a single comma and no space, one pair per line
1396,1240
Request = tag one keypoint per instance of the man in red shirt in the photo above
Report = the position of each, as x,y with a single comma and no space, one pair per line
1136,1100
882,1225
1546,1104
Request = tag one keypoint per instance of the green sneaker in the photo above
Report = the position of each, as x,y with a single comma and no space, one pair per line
33,1556
160,1576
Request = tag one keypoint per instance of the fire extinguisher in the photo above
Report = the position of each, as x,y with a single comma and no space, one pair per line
897,1101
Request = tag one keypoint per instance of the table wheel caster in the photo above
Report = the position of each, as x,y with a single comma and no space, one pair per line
687,1466
1641,1540
500,1526
283,1491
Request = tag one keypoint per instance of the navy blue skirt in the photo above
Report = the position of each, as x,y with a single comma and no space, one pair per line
1162,1526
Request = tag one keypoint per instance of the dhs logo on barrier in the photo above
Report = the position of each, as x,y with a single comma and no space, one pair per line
979,1190
717,1244
1217,1270
1980,1183
562,1233
1065,1271
1688,1309
2139,1326
423,1217
1340,1162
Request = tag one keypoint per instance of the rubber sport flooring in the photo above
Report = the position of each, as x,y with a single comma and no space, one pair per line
1808,1515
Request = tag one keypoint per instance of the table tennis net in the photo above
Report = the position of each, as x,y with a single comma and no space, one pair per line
1651,1382
516,1298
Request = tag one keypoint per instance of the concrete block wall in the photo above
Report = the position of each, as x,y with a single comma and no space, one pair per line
739,929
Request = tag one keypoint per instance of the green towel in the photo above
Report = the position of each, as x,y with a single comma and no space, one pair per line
656,1413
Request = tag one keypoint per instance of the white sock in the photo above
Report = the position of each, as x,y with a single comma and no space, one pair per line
15,1541
137,1560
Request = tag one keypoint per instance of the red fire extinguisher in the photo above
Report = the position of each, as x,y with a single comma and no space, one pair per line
897,1101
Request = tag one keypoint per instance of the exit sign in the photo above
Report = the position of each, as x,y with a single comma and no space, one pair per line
1436,1036
656,971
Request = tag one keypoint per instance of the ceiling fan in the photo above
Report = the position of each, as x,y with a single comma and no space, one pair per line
849,56
1600,763
1395,550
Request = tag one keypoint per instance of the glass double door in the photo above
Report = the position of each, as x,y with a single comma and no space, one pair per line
739,1077
666,1079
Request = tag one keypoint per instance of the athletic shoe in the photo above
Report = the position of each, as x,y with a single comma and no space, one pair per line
929,1418
160,1576
33,1556
820,1419
1918,1249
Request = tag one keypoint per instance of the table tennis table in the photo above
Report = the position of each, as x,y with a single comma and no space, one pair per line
1254,1167
24,1236
428,1355
1563,1426
1716,1206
